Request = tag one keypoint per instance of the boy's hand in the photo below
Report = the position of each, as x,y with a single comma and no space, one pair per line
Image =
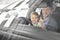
41,20
42,24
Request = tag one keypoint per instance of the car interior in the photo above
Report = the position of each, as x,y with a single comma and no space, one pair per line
15,27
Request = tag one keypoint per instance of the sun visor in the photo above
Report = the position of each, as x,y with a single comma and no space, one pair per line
42,5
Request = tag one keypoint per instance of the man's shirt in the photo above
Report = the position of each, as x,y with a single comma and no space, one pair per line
51,24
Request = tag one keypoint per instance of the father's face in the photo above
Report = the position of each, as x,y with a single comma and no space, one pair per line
46,11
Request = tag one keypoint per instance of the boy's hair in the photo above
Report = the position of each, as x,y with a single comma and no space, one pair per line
35,13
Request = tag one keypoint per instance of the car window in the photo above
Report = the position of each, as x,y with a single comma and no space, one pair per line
16,24
20,9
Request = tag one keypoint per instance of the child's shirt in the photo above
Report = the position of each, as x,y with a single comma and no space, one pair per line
36,24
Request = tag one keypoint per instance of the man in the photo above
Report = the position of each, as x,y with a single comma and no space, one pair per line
48,21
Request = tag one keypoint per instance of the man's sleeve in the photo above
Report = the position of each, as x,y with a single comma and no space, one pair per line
52,24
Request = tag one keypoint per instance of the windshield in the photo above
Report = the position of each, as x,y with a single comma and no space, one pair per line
29,19
25,8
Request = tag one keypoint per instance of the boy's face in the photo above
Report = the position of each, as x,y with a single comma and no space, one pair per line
34,18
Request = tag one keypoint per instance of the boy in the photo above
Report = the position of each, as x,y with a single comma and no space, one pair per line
34,19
